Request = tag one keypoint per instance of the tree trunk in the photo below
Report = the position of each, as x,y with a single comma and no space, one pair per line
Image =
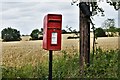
84,26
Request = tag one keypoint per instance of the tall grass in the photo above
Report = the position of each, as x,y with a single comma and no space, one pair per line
103,65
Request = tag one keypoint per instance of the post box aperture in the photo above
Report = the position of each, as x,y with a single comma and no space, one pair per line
52,32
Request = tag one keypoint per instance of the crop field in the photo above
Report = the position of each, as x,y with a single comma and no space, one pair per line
20,53
23,52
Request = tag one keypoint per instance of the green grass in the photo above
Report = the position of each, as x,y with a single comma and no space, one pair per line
103,65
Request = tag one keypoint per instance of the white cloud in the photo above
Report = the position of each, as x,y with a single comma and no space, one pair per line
36,0
26,16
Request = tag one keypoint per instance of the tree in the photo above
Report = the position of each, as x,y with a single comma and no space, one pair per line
35,33
41,32
118,30
109,26
72,31
10,34
112,29
69,28
64,31
85,13
108,23
99,32
76,32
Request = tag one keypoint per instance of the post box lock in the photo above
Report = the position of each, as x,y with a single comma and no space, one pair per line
52,32
54,29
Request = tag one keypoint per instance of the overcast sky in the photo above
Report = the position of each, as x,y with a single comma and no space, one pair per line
26,16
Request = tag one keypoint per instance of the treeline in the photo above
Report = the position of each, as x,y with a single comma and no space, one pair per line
110,32
10,34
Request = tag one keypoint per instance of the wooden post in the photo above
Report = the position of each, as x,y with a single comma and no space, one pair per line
81,42
84,26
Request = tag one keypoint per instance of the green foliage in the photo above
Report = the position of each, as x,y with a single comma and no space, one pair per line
109,26
10,34
35,34
27,71
103,65
64,31
66,66
118,30
99,32
112,29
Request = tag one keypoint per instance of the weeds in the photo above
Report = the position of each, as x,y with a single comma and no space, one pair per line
104,65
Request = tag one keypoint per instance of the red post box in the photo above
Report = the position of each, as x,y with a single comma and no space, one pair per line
52,32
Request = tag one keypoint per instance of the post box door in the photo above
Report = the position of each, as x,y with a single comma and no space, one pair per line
54,39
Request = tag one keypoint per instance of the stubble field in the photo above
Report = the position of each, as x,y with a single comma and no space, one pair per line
21,53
